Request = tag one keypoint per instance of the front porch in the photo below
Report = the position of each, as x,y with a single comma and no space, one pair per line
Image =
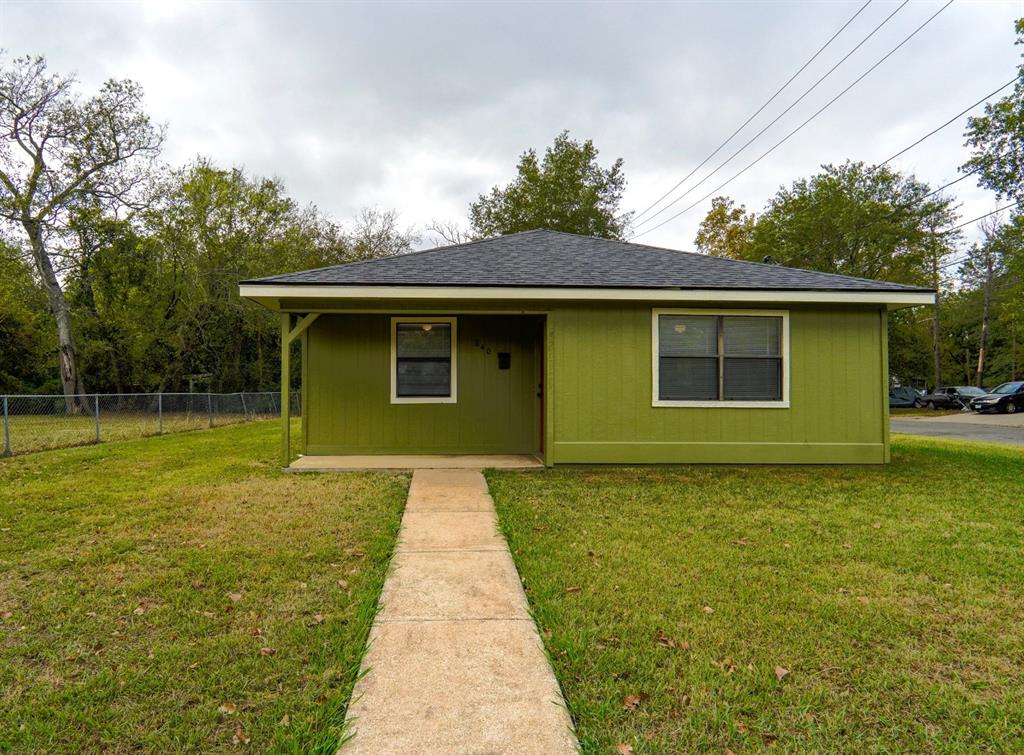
416,389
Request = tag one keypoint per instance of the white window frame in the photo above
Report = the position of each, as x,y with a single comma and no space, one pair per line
720,403
450,399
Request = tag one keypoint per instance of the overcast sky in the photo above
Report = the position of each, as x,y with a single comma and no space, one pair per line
422,106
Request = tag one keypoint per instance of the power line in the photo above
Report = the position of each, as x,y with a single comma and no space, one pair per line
963,112
961,260
773,121
896,211
798,128
757,112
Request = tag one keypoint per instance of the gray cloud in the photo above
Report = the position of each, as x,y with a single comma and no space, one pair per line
423,106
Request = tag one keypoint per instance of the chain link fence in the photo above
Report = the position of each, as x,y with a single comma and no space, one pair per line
38,423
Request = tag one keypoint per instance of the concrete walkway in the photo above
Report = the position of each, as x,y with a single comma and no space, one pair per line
454,662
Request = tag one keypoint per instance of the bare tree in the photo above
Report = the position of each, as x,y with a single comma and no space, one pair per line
376,233
59,153
450,231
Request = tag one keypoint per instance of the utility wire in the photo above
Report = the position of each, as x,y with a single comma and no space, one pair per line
962,113
775,120
792,133
963,259
757,112
896,211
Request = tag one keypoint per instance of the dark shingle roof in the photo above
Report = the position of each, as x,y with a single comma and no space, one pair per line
554,259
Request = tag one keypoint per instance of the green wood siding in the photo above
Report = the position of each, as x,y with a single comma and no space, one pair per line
348,390
598,378
601,397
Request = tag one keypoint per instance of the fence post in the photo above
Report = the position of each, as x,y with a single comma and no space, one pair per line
209,409
160,412
245,412
7,431
96,399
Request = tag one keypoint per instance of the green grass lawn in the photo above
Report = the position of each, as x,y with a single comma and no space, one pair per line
181,594
29,433
828,609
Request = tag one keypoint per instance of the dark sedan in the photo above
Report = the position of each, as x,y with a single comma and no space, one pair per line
952,397
1007,398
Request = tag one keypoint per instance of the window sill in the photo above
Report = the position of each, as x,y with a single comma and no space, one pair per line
721,404
423,400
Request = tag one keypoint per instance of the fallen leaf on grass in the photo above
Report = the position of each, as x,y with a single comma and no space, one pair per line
343,584
664,640
285,720
743,541
227,708
240,736
235,596
741,727
781,673
877,525
573,589
139,611
708,610
624,749
318,619
197,584
632,702
728,665
267,651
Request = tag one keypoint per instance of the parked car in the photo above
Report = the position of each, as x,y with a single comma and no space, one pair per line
952,397
904,397
1007,398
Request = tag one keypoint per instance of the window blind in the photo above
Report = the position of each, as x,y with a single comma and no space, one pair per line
719,358
423,359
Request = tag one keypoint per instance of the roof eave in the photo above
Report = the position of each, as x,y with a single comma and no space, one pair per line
263,292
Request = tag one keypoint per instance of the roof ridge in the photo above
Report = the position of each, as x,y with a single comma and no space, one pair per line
415,252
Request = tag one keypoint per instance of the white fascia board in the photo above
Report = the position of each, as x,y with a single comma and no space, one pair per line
285,291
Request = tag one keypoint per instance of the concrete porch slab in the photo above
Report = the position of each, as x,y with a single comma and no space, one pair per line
414,461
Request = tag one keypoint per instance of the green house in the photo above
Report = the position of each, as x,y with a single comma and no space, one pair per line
584,350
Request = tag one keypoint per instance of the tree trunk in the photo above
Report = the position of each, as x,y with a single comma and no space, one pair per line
987,293
71,380
936,325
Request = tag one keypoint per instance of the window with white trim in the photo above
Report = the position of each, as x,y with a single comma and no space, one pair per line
423,368
723,358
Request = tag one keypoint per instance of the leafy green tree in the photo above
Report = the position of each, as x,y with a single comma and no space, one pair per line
27,340
996,140
58,153
567,190
726,230
855,220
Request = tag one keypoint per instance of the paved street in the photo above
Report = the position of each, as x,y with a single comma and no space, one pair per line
995,428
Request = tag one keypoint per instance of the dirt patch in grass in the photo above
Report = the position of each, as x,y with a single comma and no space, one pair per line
803,608
180,593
